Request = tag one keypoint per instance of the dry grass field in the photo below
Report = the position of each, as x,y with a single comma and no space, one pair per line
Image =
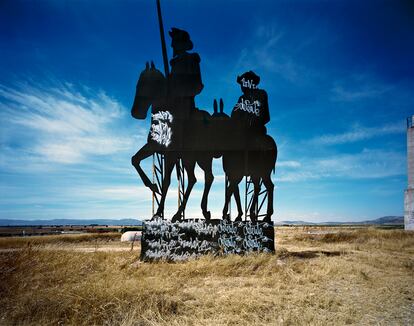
318,276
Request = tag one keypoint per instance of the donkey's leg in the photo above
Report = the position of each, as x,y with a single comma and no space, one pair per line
142,154
256,184
189,166
227,198
267,181
238,203
230,189
206,165
169,166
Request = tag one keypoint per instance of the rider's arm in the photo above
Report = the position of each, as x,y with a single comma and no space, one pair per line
265,106
199,83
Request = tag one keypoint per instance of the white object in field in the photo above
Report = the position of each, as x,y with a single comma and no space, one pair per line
409,193
131,236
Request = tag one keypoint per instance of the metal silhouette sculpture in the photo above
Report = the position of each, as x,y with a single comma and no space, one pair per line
196,137
181,131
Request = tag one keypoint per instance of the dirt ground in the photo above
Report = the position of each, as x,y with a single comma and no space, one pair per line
318,276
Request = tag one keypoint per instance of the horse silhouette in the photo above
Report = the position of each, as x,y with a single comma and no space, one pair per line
176,133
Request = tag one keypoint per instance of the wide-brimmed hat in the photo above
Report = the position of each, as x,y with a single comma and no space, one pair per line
248,76
181,38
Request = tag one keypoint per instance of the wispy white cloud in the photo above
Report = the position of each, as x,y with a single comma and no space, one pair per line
288,164
266,50
77,194
122,193
367,164
359,133
60,124
358,87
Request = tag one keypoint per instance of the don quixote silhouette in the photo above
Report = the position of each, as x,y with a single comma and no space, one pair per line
181,131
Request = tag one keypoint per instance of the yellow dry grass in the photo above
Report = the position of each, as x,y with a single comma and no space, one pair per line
19,242
349,277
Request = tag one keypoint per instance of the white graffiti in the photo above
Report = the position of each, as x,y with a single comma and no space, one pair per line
161,255
248,83
229,228
252,229
170,241
170,230
248,107
163,240
201,227
230,245
159,227
252,240
160,128
180,243
163,115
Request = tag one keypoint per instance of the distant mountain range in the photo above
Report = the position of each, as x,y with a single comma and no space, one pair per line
125,221
389,220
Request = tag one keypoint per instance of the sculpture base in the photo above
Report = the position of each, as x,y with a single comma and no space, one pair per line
163,240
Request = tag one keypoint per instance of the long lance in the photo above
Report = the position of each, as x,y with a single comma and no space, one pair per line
164,48
167,73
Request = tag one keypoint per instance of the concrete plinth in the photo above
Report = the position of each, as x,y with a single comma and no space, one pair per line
164,240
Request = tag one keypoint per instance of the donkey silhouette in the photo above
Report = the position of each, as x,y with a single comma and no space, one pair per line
256,159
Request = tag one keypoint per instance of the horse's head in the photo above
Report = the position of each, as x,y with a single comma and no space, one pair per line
151,86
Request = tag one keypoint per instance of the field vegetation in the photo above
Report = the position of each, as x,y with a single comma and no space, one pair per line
318,276
58,240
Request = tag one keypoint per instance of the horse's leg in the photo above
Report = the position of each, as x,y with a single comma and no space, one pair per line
169,166
189,166
238,203
267,181
206,165
256,184
142,154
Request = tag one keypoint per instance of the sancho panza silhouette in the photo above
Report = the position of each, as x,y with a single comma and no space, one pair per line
253,153
251,111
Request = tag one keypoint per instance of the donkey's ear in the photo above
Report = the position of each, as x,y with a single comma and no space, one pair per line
152,65
215,106
221,105
146,65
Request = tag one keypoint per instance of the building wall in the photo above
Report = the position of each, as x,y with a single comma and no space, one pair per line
409,193
410,157
409,209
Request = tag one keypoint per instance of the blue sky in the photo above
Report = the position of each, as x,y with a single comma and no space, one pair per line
339,75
